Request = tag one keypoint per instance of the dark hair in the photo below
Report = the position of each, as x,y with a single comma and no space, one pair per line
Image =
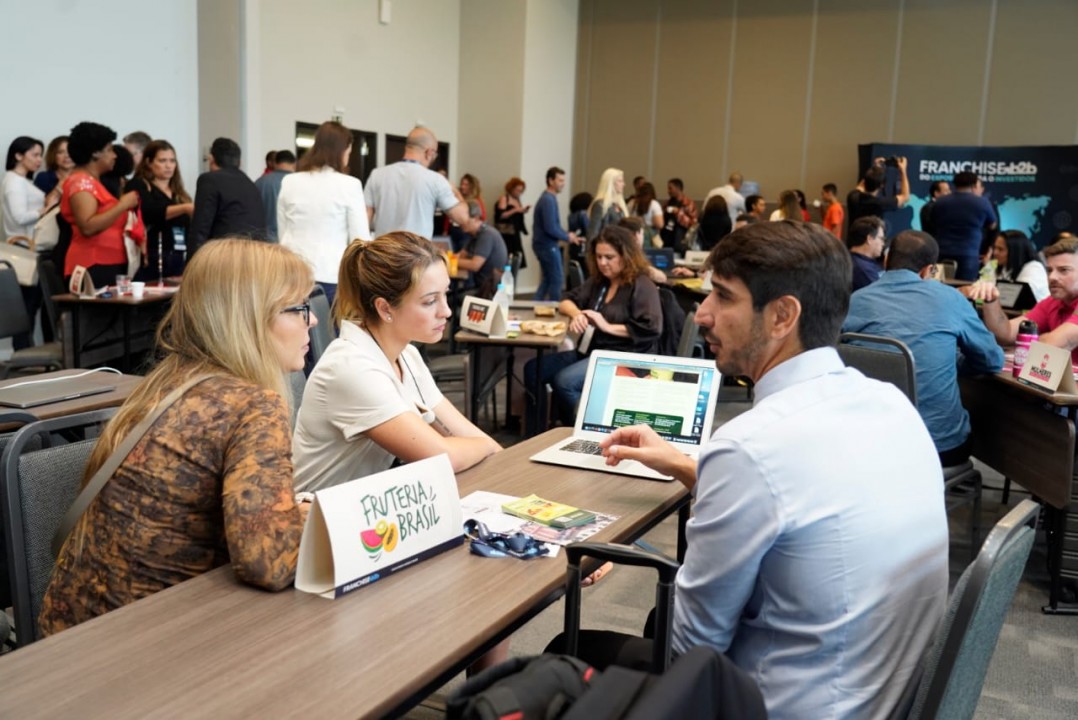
637,179
831,188
284,156
553,172
225,152
1020,250
330,141
52,150
861,229
714,224
580,201
935,188
751,201
912,250
175,184
791,258
632,223
747,219
801,199
633,262
271,159
88,138
642,201
20,146
965,180
125,161
873,179
676,182
387,267
138,138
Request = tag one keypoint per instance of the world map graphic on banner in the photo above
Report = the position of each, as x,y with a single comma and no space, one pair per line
1034,188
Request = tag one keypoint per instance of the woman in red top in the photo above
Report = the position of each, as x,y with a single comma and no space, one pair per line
97,218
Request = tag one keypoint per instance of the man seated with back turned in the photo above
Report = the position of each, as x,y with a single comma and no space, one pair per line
817,564
1055,315
935,321
485,254
866,242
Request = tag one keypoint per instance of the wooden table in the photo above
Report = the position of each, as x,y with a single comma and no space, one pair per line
1028,436
212,647
126,305
540,343
124,385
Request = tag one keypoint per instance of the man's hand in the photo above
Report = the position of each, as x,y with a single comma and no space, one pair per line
683,272
902,163
643,444
980,292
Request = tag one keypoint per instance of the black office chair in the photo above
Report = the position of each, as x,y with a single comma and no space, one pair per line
890,360
323,333
37,486
690,345
574,275
956,663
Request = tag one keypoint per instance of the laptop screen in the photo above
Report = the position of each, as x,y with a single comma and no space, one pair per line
672,395
661,258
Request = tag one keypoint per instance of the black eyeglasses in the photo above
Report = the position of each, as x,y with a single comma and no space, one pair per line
304,309
499,545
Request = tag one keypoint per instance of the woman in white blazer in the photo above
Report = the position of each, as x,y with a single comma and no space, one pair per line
320,209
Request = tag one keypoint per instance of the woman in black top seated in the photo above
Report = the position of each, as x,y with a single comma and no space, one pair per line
166,211
618,301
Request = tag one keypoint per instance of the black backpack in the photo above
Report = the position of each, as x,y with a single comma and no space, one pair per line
527,688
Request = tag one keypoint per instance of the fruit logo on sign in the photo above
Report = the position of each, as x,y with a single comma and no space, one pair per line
384,537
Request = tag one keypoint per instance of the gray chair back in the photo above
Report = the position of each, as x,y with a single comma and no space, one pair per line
957,662
690,335
298,381
574,277
881,358
38,486
14,318
321,334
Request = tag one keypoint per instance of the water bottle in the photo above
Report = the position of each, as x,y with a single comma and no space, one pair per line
507,281
502,298
1027,335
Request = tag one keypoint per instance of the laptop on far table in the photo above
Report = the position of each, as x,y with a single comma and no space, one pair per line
675,396
33,393
660,258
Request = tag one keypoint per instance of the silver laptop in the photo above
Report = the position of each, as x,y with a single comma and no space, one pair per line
33,393
694,259
675,396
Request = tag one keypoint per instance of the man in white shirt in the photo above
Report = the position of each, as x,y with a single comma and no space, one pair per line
816,564
731,192
404,195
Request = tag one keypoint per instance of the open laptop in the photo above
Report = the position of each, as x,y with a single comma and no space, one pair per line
675,396
33,393
693,259
661,258
1015,295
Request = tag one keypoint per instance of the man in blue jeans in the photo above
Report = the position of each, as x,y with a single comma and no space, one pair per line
547,232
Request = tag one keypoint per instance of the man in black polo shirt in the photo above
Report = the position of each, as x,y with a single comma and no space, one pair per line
865,199
959,220
866,241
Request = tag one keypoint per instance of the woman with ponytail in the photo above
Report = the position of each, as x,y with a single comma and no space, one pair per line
371,401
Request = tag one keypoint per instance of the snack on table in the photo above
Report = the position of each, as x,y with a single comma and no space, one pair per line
543,327
545,311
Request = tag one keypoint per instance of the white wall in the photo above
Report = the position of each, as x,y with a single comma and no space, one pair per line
129,64
313,56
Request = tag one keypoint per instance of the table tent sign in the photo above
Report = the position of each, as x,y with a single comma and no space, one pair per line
485,317
374,526
1048,368
81,284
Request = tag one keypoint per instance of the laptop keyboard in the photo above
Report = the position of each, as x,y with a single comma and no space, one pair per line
585,447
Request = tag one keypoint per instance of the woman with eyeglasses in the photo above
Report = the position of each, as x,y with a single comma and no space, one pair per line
371,401
210,482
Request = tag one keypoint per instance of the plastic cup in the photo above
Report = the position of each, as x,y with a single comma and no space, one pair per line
123,284
138,289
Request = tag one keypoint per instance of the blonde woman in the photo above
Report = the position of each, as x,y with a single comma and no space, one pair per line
371,401
321,208
210,483
608,207
789,207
